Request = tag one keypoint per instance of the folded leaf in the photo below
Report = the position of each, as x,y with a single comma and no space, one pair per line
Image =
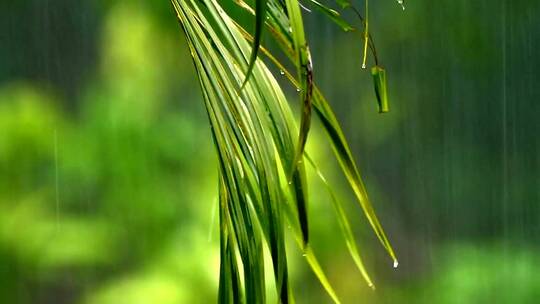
379,83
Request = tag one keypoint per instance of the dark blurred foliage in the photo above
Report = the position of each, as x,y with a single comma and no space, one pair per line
107,175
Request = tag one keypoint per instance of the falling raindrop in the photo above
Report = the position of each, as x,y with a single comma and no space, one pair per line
56,179
396,264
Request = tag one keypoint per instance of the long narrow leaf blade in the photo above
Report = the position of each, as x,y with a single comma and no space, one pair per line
379,83
260,14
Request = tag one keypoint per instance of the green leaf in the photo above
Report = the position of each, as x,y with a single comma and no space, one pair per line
305,75
262,177
260,14
379,83
333,15
366,35
316,267
343,154
344,225
339,146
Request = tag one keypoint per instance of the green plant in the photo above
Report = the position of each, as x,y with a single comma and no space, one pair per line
262,178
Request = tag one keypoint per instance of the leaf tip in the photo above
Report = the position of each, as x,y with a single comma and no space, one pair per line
379,82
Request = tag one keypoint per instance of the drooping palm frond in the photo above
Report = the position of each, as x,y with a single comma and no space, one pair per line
262,175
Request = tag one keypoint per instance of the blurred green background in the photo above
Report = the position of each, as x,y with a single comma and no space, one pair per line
108,174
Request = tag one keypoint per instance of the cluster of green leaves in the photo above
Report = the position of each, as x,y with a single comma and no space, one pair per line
262,174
